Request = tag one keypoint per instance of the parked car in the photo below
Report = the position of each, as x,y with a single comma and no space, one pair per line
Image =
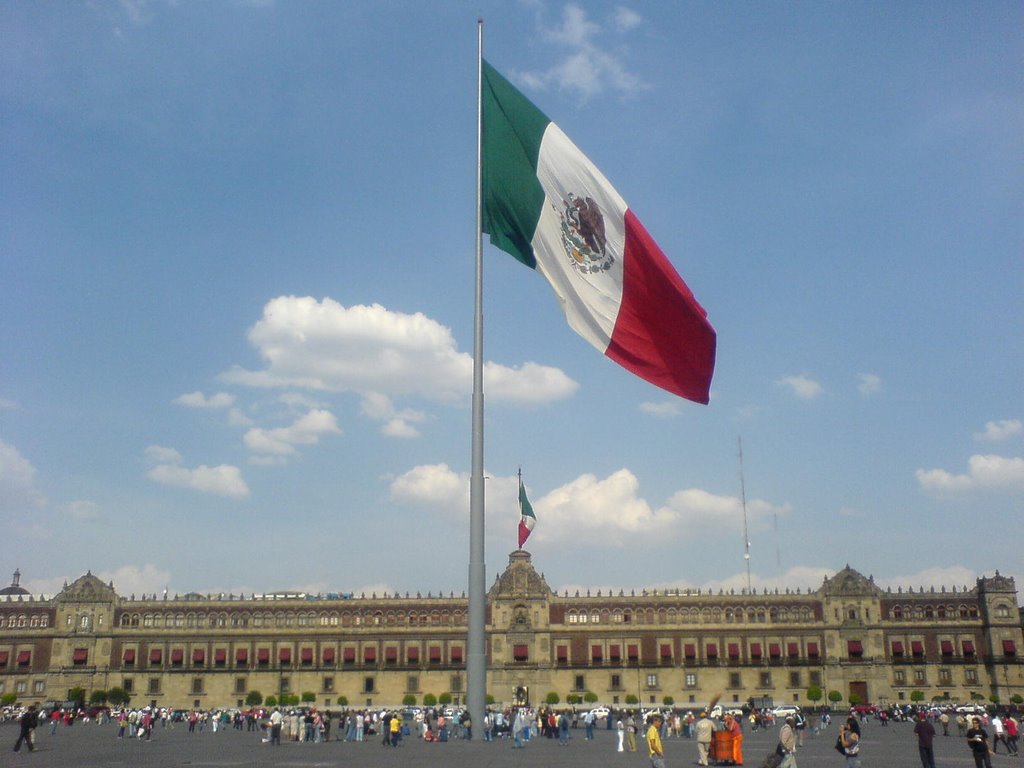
785,710
599,712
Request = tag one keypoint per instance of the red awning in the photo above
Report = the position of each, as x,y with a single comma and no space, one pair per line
263,655
220,655
177,655
284,655
812,650
614,653
596,652
633,652
520,652
1009,648
435,653
755,650
947,647
369,654
129,656
562,653
917,647
793,650
774,650
734,650
897,647
349,655
413,653
666,650
328,655
690,651
3,658
968,647
390,654
156,656
24,657
80,656
306,655
198,656
855,647
712,649
242,656
457,653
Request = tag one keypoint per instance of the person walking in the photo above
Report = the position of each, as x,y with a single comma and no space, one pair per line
26,734
787,743
704,729
620,728
977,740
925,735
275,726
654,747
630,733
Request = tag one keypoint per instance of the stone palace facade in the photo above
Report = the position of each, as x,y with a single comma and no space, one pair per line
210,651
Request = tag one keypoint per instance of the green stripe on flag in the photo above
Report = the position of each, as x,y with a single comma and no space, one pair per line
512,196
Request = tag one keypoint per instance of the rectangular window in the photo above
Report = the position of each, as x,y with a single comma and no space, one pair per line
455,684
197,685
794,679
652,681
900,677
328,684
734,680
38,687
815,678
367,685
412,683
286,685
919,677
766,679
945,677
21,687
691,680
154,685
971,676
241,685
616,682
581,683
128,685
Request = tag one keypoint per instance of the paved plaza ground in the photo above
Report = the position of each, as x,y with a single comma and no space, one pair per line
94,746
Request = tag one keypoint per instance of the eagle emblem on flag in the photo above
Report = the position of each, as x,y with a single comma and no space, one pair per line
583,235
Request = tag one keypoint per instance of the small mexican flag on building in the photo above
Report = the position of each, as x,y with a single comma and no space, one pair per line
526,517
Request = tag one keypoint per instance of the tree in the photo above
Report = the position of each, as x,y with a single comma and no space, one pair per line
117,696
290,699
552,698
854,699
573,698
631,698
98,697
668,701
343,701
814,694
916,696
409,700
835,697
444,699
490,699
590,697
77,695
8,699
1017,699
994,699
429,700
308,697
254,699
271,700
975,696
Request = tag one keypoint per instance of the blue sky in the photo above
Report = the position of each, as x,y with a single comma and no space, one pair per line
236,273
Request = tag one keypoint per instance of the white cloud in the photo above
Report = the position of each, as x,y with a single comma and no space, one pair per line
802,386
996,431
18,492
127,579
199,400
870,384
984,472
83,510
587,66
666,409
434,484
222,480
324,346
378,406
626,19
306,430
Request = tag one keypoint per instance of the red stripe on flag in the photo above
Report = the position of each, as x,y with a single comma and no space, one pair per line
662,333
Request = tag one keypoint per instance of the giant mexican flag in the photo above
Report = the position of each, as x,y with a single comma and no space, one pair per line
545,203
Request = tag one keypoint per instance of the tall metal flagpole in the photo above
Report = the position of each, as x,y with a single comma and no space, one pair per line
476,656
